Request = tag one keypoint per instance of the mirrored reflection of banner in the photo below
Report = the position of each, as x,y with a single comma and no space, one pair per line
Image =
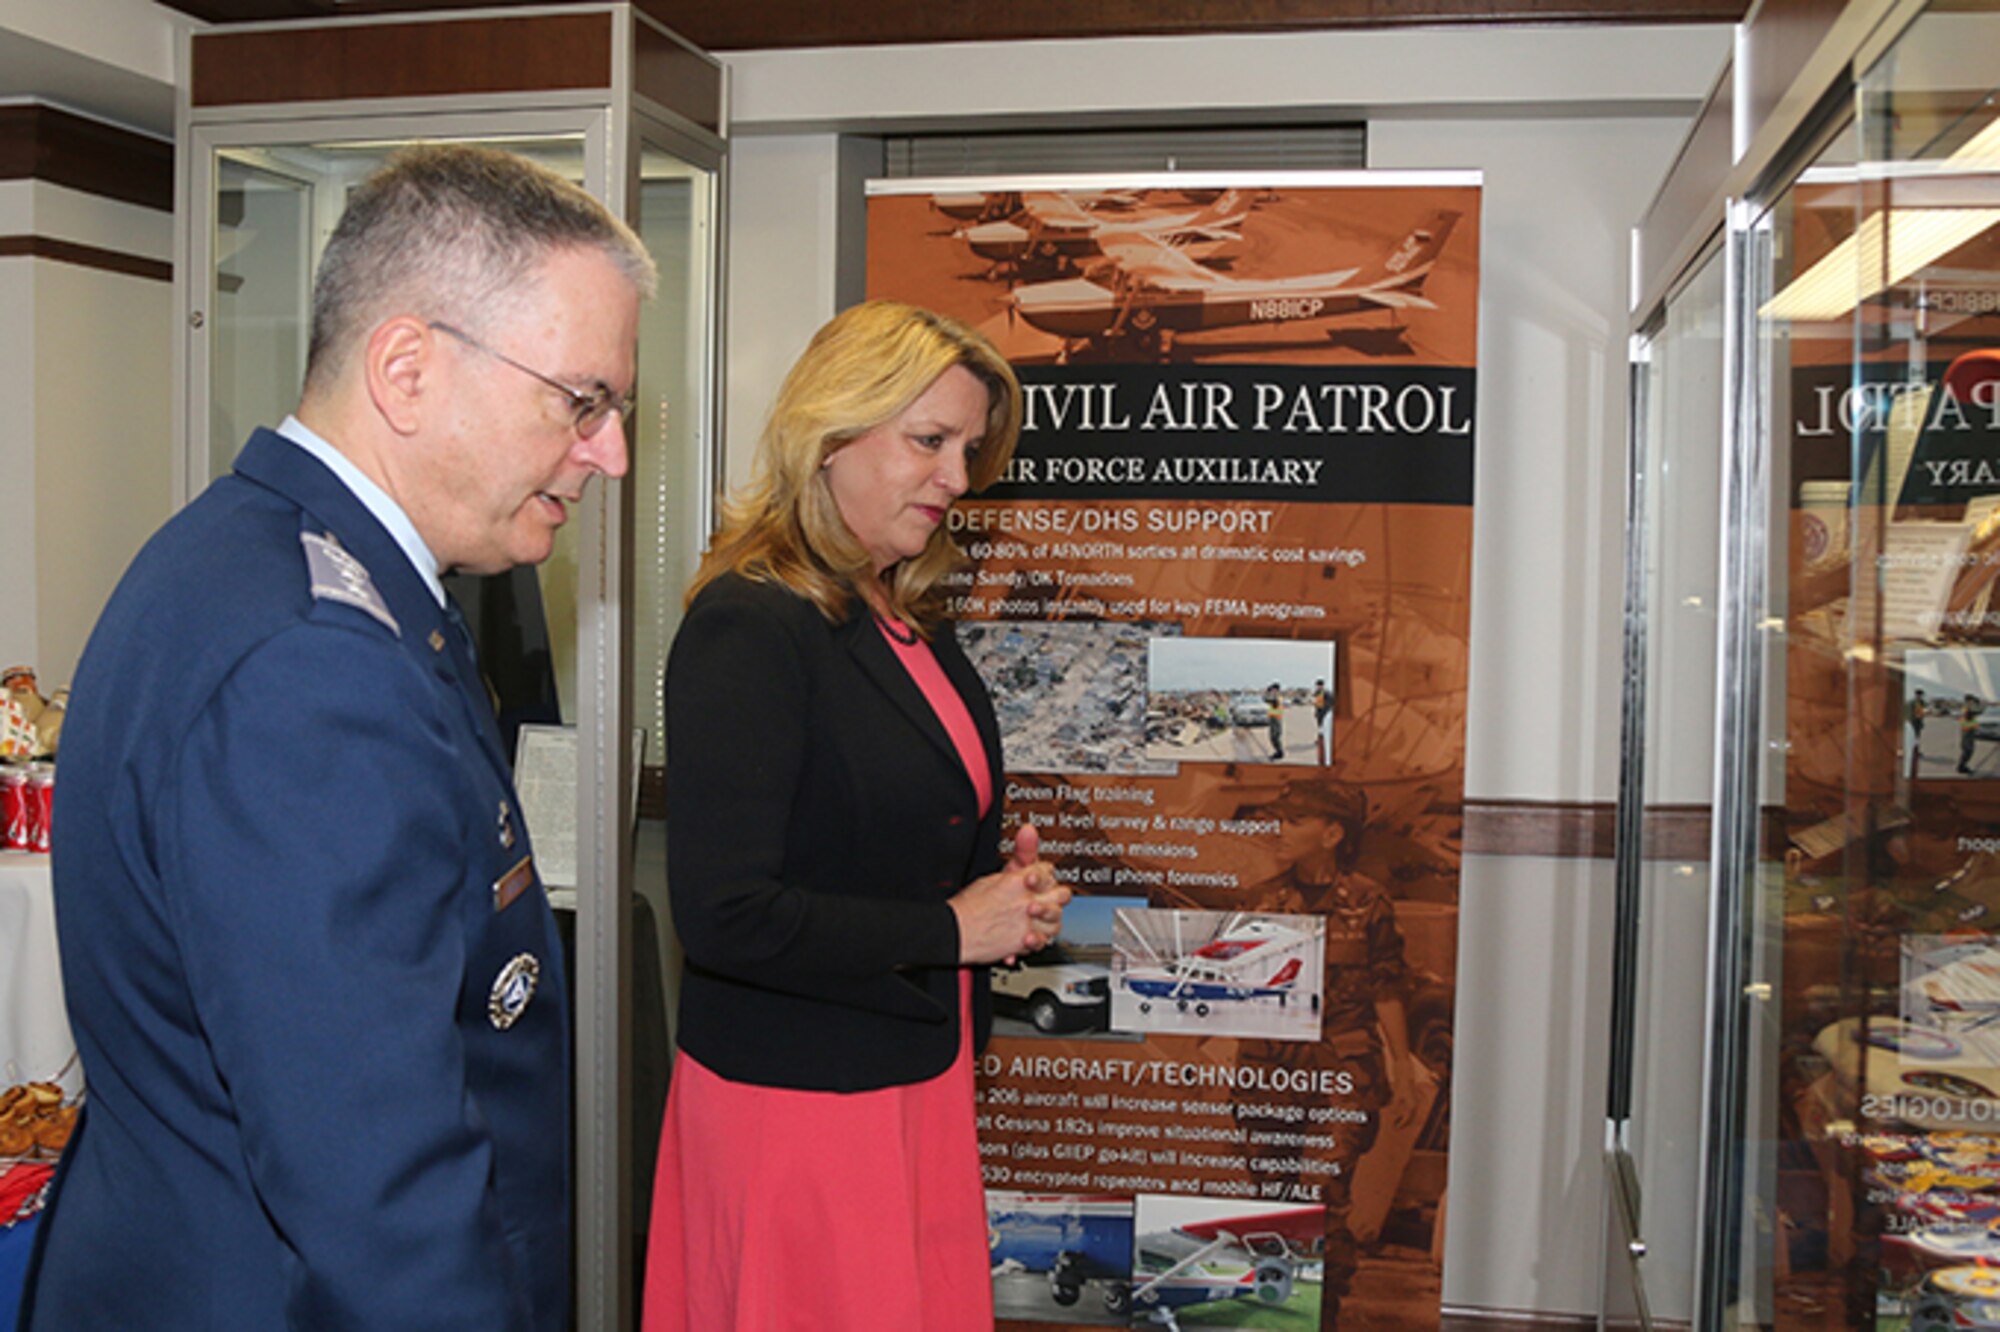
1887,1069
1221,599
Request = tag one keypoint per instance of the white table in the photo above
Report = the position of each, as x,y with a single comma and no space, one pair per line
35,1040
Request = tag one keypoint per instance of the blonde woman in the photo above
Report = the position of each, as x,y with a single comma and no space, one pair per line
833,782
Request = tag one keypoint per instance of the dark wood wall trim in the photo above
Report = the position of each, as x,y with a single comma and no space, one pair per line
1580,829
728,25
325,63
86,256
1677,832
1511,1320
1585,829
44,143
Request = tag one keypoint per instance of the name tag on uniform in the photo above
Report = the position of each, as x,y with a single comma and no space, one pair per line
513,883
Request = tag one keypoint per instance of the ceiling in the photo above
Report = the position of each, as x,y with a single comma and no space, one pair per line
722,25
39,63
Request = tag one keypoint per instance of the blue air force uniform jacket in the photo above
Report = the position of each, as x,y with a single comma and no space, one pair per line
315,983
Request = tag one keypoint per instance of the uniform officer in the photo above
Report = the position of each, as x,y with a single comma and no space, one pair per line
1322,701
1365,1032
1968,730
313,975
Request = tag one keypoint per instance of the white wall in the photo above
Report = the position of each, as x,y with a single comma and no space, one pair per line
111,59
104,444
781,273
1548,531
85,355
18,607
135,35
1542,719
1523,1219
1463,71
86,435
1574,128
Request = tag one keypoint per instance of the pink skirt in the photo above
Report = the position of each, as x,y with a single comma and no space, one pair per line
780,1209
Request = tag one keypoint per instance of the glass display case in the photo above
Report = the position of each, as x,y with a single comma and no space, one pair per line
1816,672
606,98
1675,531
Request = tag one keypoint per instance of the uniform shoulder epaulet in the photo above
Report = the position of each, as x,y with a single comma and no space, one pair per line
338,576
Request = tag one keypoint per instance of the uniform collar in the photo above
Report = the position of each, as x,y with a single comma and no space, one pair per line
373,498
282,466
277,464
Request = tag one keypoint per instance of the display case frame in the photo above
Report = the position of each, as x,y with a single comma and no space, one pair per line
1805,850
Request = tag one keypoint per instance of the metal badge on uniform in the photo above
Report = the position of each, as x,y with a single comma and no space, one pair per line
513,883
338,576
512,989
506,827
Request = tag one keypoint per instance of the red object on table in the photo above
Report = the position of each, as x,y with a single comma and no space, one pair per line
21,1190
14,810
41,809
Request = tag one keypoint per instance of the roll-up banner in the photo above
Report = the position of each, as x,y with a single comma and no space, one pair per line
1221,598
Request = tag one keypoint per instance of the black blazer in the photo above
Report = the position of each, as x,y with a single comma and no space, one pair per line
818,817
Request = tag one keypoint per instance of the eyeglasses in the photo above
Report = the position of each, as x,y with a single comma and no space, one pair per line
591,408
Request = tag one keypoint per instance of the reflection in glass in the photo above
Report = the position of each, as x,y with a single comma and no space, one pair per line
1681,488
274,207
671,477
670,431
260,299
1875,287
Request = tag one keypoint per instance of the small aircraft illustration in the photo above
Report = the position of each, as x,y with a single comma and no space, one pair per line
1253,1257
1259,959
999,205
977,205
1052,233
1150,292
1074,1238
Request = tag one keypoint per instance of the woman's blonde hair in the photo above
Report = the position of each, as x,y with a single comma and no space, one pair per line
862,369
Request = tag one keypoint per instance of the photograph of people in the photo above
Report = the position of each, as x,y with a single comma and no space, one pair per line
1955,687
833,781
1969,709
1919,709
1322,700
1366,1025
1239,700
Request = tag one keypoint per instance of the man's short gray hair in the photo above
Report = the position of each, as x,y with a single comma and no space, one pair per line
450,232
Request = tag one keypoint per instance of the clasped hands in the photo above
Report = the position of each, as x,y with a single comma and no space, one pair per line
1015,911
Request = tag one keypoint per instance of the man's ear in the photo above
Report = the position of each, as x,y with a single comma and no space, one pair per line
399,363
